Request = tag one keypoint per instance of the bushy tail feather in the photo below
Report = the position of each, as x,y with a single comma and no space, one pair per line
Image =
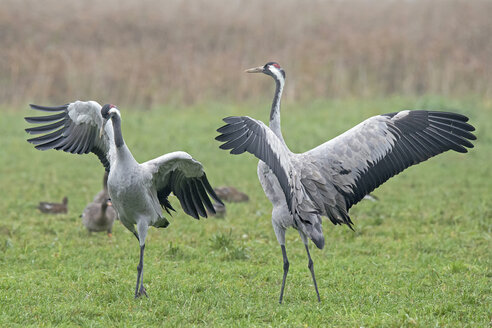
310,224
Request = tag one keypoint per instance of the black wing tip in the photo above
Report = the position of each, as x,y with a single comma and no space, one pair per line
231,119
193,215
350,225
218,200
467,126
48,108
233,150
211,190
236,152
224,146
454,115
31,119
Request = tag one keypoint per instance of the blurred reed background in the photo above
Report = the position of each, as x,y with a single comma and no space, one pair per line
151,52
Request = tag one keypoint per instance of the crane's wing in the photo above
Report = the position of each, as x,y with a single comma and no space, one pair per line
243,133
340,172
179,173
246,134
74,128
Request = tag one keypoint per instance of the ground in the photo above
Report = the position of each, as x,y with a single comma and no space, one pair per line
419,257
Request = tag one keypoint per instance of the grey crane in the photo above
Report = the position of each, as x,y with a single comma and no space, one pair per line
329,179
99,215
137,191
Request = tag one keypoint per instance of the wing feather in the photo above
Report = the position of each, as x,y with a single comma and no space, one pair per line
364,157
203,196
75,129
243,133
46,128
180,174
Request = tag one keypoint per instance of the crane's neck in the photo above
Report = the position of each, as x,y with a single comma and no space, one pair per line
118,136
105,181
123,153
275,111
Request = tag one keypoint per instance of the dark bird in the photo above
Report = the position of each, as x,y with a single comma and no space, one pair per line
137,191
54,208
99,215
231,194
331,178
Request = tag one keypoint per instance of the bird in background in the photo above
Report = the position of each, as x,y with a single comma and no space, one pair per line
329,179
54,208
99,215
138,192
231,194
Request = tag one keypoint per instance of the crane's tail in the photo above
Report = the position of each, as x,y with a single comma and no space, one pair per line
310,224
161,223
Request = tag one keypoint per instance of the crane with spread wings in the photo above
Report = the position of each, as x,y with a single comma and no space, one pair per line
329,179
138,191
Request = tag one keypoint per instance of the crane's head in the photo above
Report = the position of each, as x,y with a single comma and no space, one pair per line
108,111
271,68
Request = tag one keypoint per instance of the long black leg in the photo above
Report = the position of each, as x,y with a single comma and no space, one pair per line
286,270
311,268
139,292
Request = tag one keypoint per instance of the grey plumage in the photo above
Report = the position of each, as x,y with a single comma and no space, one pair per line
137,191
331,178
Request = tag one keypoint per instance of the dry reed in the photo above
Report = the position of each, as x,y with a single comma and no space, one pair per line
145,53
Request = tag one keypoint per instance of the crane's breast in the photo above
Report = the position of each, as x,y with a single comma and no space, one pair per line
270,185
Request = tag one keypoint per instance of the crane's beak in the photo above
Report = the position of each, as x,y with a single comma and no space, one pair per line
101,130
255,70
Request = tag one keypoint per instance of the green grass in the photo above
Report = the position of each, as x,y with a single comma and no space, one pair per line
421,257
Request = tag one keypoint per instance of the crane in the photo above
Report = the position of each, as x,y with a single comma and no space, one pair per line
329,179
137,191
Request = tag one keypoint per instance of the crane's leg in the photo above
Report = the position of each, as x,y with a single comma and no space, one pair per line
139,289
277,214
142,228
286,270
311,268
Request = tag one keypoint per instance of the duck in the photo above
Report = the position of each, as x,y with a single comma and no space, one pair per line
54,208
231,194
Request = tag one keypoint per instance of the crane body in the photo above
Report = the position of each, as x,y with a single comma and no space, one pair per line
329,179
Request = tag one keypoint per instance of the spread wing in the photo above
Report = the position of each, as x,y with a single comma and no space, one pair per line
180,174
340,172
73,128
243,133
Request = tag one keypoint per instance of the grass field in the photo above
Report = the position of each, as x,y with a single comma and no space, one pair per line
420,257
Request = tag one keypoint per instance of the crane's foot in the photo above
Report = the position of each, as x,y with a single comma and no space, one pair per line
141,292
